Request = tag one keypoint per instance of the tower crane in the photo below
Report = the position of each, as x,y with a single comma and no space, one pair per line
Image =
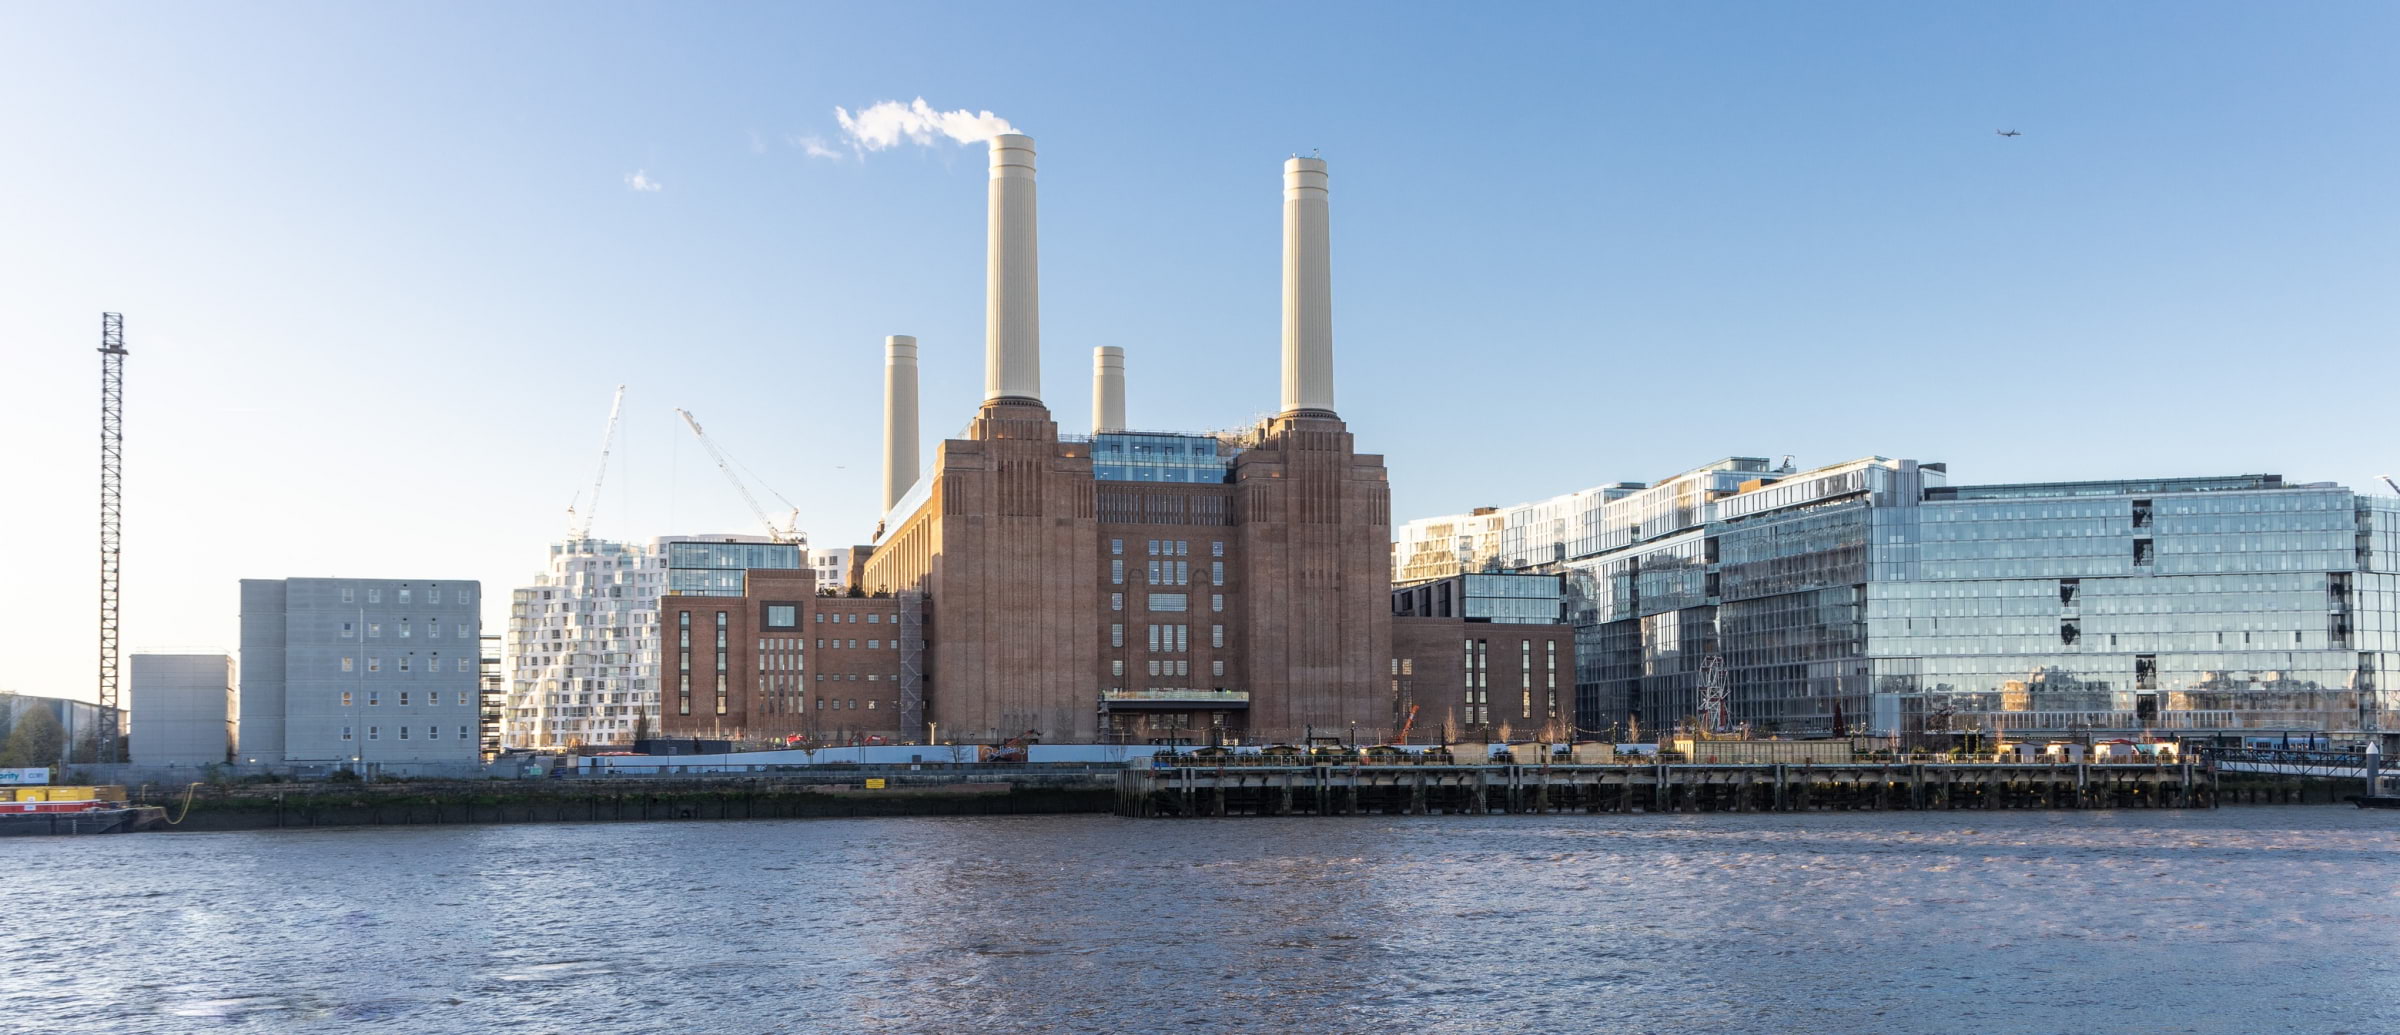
579,526
2387,480
789,531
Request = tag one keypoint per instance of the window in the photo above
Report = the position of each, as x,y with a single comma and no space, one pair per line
462,665
1154,638
433,733
1116,601
1116,667
404,733
462,731
1116,634
374,732
1216,601
345,733
374,596
1216,668
782,616
1154,548
374,664
1169,601
374,698
1116,546
433,596
2141,552
1116,573
348,630
1216,636
345,663
345,698
1216,573
874,644
1217,548
1183,548
464,598
404,594
1154,666
349,596
404,663
375,630
403,698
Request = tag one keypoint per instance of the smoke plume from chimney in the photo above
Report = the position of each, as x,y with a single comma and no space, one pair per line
885,124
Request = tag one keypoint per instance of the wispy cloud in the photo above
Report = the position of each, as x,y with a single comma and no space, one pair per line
758,142
815,146
640,180
886,124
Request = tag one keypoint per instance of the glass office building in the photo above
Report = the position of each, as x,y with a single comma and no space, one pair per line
1139,456
1871,596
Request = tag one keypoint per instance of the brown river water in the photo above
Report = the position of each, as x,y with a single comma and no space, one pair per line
2233,920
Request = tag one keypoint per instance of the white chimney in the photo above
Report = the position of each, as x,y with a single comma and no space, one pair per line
899,417
1012,325
1108,389
1307,291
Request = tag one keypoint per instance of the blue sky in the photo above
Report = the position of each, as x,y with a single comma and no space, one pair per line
382,265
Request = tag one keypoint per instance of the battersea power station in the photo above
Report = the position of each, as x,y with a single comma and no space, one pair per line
1126,587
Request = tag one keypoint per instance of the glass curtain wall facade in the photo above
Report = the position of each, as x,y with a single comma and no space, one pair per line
1870,596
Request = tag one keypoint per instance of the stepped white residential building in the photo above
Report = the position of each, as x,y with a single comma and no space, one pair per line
582,654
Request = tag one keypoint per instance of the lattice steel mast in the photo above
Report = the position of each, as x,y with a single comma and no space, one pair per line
112,517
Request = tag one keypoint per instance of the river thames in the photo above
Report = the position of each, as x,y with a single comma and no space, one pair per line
2233,920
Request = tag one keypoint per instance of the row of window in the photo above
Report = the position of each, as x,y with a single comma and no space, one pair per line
375,595
1169,547
431,733
431,698
1163,667
433,630
375,663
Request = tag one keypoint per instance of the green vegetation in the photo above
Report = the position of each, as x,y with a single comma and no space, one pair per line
36,740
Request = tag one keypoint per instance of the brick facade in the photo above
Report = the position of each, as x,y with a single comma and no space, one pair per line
825,669
1081,609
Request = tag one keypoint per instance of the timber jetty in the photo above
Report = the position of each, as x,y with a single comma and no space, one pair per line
1418,790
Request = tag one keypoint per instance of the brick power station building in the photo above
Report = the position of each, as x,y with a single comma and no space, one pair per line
1118,587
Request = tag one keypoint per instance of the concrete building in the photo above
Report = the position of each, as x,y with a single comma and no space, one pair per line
182,709
373,672
582,657
783,662
1871,595
1145,587
1459,641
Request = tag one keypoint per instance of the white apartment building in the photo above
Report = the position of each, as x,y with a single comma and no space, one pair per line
833,568
582,655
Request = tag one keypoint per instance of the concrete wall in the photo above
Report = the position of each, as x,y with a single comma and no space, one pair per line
181,708
411,649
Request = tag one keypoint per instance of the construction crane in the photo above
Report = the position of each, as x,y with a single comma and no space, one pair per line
579,526
789,531
2387,480
1405,727
112,518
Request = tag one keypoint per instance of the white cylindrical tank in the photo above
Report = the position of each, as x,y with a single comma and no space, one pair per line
1108,389
1307,290
1012,325
899,417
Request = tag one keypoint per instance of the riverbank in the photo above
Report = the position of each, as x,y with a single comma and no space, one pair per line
451,802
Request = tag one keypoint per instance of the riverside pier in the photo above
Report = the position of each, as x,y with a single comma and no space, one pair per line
1419,790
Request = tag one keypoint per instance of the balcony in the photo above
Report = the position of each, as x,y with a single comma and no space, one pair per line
1174,700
